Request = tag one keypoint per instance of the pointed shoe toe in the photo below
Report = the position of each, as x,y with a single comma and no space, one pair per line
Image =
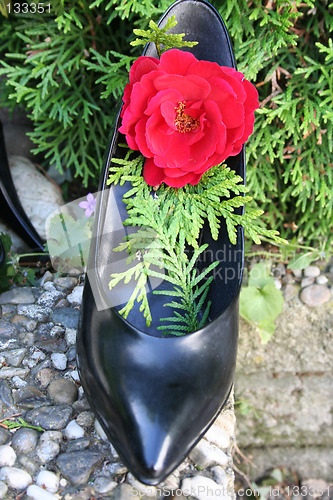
155,396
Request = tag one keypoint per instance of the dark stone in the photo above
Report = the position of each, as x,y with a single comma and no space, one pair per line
8,334
6,394
77,466
30,397
63,391
66,316
78,444
50,417
52,345
5,436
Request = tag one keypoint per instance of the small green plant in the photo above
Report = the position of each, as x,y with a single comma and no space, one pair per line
11,271
261,302
12,423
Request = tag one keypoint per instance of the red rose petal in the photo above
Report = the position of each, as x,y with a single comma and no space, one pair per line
155,102
152,174
176,61
157,142
191,87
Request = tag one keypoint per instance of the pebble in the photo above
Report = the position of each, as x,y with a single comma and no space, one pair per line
315,295
105,484
50,417
78,444
290,291
48,480
62,391
85,419
29,397
307,282
66,282
19,383
277,283
125,492
28,463
59,360
14,357
311,272
36,493
74,431
35,311
100,431
297,273
219,475
218,436
7,456
67,317
75,297
15,478
77,466
70,336
206,455
20,295
3,490
48,447
321,280
25,440
5,436
44,377
6,394
50,298
204,488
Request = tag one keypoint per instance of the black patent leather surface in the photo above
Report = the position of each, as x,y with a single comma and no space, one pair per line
155,397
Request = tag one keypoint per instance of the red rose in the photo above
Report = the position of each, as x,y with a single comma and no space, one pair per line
185,116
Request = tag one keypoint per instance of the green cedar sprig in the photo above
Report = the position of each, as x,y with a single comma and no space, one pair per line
171,220
160,37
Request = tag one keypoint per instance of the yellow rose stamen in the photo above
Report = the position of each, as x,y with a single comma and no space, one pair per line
184,122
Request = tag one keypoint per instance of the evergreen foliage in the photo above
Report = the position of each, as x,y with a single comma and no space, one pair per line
68,69
169,223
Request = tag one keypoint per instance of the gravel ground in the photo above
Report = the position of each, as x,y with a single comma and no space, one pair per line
65,453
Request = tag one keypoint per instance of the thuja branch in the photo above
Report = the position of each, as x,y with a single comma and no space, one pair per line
160,37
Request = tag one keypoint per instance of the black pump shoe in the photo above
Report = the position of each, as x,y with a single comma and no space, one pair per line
156,396
11,210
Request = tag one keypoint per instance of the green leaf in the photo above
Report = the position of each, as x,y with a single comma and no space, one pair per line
260,275
303,261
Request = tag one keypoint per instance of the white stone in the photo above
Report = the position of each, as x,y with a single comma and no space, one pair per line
59,360
15,478
74,430
39,197
321,280
3,490
7,456
48,446
19,383
219,436
100,431
143,489
48,480
70,336
104,484
36,493
206,455
311,272
203,488
75,297
277,283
